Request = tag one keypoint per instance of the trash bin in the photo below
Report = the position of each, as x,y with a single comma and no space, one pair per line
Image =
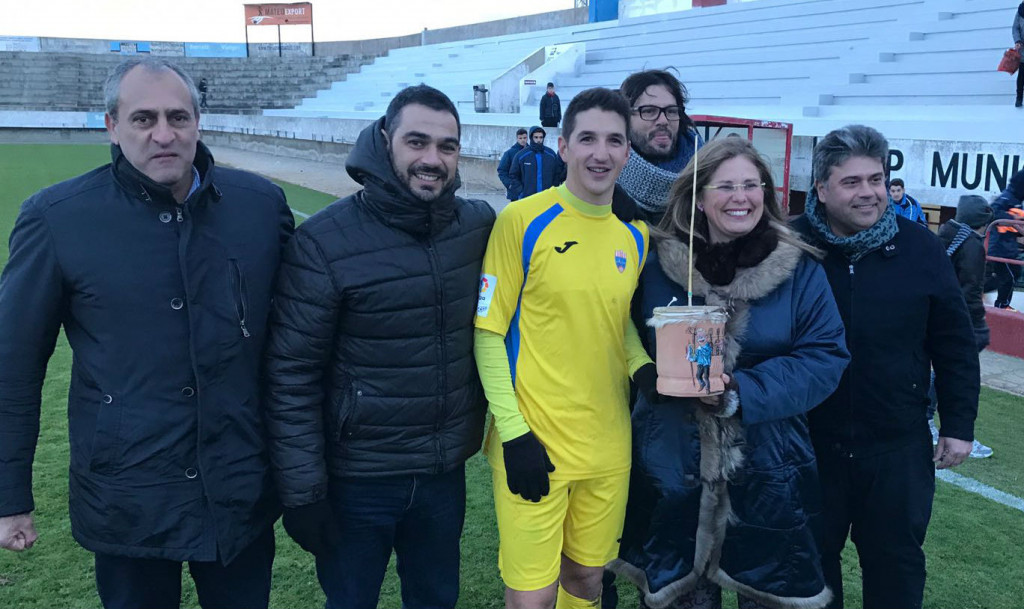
480,98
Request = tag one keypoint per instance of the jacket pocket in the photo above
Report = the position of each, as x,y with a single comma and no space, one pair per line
239,294
105,456
348,407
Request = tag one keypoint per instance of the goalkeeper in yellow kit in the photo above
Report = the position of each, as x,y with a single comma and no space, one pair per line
555,348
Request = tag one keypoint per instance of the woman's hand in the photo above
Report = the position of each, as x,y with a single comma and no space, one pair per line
712,400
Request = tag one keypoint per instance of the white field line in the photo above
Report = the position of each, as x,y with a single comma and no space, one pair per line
299,213
973,486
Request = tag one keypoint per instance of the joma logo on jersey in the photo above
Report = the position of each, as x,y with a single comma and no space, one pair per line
620,260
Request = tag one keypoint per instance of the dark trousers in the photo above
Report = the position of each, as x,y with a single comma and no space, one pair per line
1001,276
1020,84
549,122
883,502
420,517
146,583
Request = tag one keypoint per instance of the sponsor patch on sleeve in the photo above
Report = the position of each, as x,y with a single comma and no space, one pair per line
487,285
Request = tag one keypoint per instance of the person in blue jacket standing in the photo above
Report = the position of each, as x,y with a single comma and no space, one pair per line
724,489
904,204
505,164
535,168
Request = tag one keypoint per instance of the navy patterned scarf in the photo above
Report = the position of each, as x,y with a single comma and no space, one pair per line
856,246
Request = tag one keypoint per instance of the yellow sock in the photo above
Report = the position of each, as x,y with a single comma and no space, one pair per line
568,601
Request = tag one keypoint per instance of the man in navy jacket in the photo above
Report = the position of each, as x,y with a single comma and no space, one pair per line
535,168
904,314
522,138
159,266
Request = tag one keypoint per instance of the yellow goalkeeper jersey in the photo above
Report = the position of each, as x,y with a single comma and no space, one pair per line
557,281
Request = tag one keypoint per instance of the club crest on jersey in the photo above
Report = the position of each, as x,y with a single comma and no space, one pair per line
620,260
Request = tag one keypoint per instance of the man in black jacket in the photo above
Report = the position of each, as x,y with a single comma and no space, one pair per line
374,403
160,268
550,108
904,314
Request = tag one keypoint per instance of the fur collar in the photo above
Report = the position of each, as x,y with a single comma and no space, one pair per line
749,284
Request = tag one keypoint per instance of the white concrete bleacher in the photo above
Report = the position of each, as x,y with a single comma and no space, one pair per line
919,66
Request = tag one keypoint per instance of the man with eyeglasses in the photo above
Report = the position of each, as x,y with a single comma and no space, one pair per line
662,137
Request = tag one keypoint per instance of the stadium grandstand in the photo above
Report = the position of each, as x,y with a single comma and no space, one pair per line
922,71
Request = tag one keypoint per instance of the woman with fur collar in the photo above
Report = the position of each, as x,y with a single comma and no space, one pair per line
724,492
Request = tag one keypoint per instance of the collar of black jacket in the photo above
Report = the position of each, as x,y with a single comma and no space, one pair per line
142,187
387,197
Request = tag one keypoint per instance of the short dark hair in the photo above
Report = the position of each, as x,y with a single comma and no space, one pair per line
600,98
421,94
637,83
551,84
846,142
520,131
897,182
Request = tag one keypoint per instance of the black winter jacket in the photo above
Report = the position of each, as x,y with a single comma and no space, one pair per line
969,263
904,314
165,308
370,359
550,108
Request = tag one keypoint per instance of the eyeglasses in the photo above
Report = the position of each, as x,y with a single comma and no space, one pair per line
651,113
747,187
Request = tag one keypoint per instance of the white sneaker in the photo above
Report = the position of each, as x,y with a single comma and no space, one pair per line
934,430
980,451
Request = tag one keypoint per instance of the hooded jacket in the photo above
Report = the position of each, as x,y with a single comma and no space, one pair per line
535,168
369,364
550,108
735,499
165,307
968,258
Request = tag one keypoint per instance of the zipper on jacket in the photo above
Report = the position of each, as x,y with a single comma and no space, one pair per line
849,402
443,368
238,285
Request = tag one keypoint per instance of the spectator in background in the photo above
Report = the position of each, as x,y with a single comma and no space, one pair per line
505,164
662,137
1018,43
965,246
203,89
904,204
550,108
535,168
1002,242
160,268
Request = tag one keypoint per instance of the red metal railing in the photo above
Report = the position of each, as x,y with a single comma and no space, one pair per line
1019,225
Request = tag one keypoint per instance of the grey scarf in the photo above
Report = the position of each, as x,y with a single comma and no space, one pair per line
856,246
648,184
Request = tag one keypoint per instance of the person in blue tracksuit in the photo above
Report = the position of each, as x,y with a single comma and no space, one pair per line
535,168
506,160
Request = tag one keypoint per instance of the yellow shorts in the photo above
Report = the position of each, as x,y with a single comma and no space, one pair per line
581,519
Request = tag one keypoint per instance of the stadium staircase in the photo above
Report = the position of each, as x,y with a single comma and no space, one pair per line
71,82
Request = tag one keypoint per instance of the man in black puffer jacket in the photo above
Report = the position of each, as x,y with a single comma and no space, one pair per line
374,403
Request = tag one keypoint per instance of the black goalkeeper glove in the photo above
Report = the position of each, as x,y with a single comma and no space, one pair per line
312,526
646,379
527,467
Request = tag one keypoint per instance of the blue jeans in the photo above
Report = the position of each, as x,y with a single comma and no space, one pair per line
420,517
131,583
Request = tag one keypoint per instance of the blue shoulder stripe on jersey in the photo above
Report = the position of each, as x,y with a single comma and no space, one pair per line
530,237
639,238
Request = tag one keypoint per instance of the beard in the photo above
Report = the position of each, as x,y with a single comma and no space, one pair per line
443,182
641,143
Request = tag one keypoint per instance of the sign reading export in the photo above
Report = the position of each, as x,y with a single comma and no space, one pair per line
298,13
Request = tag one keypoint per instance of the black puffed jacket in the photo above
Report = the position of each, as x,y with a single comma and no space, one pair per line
370,364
